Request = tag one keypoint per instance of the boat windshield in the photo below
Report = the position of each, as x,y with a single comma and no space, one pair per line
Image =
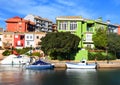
82,61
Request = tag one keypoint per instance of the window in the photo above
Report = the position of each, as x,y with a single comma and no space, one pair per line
27,37
63,25
21,37
18,43
73,25
88,46
88,37
16,36
90,27
30,37
37,37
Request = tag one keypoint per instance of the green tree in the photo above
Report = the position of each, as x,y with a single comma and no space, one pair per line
114,43
60,45
100,39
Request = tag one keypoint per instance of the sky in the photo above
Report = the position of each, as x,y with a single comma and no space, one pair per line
91,9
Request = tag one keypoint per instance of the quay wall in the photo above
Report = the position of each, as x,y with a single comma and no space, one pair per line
100,64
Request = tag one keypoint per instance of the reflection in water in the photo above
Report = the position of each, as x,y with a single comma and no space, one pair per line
82,76
16,75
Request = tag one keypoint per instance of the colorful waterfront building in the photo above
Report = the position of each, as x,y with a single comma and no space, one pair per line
17,24
29,39
118,31
19,40
37,39
83,28
41,24
1,40
8,40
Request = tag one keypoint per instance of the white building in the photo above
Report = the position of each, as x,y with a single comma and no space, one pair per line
41,24
29,40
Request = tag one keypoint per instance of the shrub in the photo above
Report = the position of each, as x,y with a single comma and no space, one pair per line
36,54
22,51
91,56
6,53
100,56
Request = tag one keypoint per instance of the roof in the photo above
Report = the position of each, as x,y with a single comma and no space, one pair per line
45,19
69,18
18,19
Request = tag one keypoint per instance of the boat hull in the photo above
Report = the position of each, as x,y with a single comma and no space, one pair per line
81,66
14,60
39,67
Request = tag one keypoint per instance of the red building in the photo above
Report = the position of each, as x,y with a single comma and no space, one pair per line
17,24
19,40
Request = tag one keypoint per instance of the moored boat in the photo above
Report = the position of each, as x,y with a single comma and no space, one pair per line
40,65
15,60
82,65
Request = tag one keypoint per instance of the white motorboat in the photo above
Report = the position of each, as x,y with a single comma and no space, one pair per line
82,65
15,60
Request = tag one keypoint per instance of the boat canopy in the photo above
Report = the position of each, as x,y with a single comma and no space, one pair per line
40,62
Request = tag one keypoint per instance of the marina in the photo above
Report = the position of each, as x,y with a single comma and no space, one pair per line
15,75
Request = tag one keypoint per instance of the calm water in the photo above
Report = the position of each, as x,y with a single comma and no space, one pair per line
17,76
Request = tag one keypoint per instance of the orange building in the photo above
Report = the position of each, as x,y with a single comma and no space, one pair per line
17,24
118,31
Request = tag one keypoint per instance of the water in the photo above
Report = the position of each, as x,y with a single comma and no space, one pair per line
17,76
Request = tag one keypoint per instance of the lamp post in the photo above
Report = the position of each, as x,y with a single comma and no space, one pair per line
30,51
107,31
107,54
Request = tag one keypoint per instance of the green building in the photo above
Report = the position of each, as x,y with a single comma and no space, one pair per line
84,28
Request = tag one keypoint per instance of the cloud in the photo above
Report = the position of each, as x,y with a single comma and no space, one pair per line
59,7
46,8
66,2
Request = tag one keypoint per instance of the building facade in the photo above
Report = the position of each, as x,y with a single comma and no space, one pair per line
19,40
8,40
1,40
83,28
37,39
17,24
29,39
41,24
118,31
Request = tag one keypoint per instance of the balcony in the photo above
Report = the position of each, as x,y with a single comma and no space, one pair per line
89,29
87,41
88,38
